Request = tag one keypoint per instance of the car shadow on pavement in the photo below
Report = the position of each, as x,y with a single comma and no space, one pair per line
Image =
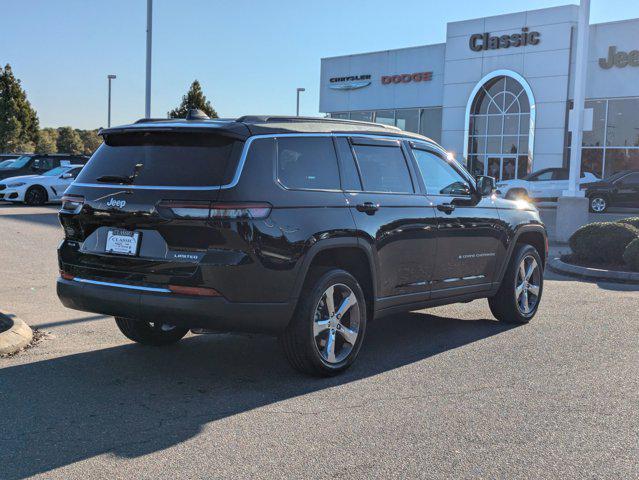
132,400
49,219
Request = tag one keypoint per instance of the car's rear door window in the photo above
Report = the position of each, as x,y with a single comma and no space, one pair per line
195,159
307,163
383,167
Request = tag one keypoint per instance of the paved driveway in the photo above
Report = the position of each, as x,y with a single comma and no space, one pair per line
442,393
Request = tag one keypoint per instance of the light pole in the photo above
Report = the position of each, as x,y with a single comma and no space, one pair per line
149,36
297,110
110,77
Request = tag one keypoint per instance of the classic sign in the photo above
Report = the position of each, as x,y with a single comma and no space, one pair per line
407,78
350,83
486,41
619,59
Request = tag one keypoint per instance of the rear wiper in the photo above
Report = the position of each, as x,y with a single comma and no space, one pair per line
115,179
121,179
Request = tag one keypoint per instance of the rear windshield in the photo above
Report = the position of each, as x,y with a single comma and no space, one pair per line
182,159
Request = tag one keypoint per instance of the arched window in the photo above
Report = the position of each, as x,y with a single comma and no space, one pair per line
500,121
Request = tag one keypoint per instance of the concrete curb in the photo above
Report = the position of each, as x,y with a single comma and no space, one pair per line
18,336
557,266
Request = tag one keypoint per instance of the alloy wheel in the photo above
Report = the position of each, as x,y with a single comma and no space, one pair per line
598,204
335,330
35,196
528,285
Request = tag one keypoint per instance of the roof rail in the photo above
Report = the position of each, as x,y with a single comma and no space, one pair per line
149,120
275,119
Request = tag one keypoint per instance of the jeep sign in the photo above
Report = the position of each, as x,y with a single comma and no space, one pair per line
619,59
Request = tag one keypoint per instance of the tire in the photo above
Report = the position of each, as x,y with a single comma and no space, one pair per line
508,305
598,203
36,196
150,334
308,338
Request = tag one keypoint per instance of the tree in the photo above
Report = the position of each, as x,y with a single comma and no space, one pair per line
91,141
194,98
69,141
18,120
47,141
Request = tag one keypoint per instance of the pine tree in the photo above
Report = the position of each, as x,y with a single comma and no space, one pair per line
18,120
194,98
69,141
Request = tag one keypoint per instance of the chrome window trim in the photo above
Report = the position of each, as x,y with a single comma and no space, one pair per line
533,111
240,167
122,285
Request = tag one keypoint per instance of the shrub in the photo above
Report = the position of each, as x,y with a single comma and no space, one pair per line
603,242
631,255
634,221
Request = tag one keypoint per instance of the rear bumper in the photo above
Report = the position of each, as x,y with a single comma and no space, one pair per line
181,310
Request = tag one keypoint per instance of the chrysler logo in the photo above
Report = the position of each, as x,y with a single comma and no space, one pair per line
350,83
116,203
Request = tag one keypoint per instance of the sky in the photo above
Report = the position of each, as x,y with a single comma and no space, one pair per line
249,55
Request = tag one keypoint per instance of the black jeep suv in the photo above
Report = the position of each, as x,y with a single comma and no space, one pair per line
305,228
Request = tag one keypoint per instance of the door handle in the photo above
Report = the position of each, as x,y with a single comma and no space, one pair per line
369,208
446,208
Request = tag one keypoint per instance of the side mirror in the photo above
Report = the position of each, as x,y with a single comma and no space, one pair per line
485,185
66,176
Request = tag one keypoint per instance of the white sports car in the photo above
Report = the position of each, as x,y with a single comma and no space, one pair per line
543,186
39,189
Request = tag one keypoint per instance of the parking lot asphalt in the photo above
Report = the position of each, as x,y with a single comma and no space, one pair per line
441,393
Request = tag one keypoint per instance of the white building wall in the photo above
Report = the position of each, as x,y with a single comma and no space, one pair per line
545,66
613,82
429,58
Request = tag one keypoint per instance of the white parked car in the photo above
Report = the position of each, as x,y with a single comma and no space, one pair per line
39,189
543,186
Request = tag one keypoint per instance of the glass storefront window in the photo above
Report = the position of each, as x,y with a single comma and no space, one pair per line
591,161
623,120
524,166
362,116
476,164
430,123
613,144
618,159
508,169
595,138
493,144
387,117
500,114
340,116
407,119
510,144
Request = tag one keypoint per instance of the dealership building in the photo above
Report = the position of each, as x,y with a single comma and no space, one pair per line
498,93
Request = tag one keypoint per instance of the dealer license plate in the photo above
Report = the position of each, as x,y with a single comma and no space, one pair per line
122,242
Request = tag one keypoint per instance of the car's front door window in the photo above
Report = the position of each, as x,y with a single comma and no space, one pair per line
440,178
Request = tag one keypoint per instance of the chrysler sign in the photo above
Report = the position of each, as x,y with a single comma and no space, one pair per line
352,82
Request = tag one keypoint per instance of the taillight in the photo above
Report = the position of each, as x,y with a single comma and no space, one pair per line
233,211
185,209
66,276
72,203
